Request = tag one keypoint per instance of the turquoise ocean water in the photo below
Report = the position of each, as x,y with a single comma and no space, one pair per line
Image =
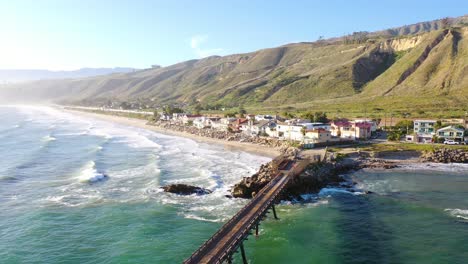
58,207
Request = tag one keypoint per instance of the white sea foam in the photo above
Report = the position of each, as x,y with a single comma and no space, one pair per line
90,174
48,138
331,191
200,218
451,167
137,177
458,213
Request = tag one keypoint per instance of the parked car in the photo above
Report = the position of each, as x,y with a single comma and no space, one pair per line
451,142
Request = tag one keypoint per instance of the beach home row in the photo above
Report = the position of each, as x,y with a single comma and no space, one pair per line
301,130
425,131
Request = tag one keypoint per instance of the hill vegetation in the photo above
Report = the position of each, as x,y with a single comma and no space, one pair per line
421,68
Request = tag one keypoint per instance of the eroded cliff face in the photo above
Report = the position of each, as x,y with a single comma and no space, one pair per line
400,44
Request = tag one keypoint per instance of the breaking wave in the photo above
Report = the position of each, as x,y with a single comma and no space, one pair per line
458,213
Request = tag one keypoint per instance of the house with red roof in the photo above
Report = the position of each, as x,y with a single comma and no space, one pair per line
351,129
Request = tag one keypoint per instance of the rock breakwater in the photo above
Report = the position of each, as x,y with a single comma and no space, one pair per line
445,155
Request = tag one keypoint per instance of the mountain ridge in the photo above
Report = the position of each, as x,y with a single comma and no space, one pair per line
348,72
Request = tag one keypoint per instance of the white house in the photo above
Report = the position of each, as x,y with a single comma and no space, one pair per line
204,122
223,123
290,132
317,125
424,130
451,132
264,117
255,128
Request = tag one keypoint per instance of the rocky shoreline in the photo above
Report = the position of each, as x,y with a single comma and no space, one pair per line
445,156
281,145
330,173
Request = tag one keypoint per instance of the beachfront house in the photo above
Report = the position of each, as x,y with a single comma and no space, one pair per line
318,125
238,124
350,129
451,133
205,122
288,131
373,123
264,117
187,119
223,124
318,135
254,127
424,130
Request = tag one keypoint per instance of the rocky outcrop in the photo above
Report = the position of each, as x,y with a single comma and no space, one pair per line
377,164
445,156
184,189
422,57
249,186
317,176
400,44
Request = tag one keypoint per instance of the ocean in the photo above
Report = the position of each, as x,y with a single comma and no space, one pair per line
79,190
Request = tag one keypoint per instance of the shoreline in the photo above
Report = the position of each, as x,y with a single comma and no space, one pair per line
140,123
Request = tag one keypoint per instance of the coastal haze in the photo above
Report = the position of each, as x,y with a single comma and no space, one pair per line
253,132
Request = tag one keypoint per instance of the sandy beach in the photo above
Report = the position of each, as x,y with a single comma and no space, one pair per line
228,145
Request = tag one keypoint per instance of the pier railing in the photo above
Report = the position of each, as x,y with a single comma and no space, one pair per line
244,231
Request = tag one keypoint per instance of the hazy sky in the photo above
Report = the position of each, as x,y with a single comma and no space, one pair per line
70,34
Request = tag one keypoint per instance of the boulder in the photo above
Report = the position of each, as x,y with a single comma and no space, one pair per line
184,189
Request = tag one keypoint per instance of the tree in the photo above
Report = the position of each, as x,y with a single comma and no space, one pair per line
197,109
156,116
316,117
242,111
405,125
230,114
394,135
438,125
169,110
320,117
287,115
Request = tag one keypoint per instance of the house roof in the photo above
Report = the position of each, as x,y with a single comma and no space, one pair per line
341,123
425,120
317,130
261,123
363,125
451,128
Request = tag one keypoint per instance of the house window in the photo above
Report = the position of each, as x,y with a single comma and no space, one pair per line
441,133
450,134
459,134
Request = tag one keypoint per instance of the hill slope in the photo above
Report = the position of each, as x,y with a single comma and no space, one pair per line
407,71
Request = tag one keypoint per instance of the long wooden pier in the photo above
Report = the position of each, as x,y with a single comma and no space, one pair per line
229,238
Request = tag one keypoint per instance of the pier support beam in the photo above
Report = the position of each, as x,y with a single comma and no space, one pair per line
244,258
274,211
256,229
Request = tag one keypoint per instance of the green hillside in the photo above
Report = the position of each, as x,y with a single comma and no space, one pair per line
421,67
